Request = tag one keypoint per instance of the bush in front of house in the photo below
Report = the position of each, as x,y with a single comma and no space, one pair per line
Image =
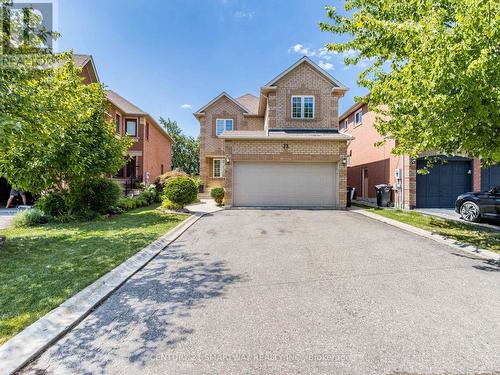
180,191
30,218
53,203
95,195
162,180
218,195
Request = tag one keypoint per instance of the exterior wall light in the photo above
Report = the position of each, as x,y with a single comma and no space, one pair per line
228,161
344,160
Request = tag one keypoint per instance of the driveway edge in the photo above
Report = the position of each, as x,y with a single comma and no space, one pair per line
476,251
36,338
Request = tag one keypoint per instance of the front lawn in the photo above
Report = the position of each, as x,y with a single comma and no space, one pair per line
41,267
481,237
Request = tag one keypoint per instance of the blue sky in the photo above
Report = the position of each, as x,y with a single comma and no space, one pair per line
170,57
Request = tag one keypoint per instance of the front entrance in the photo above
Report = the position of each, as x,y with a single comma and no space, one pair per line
285,184
364,183
446,180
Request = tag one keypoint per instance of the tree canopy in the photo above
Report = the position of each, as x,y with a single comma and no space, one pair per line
53,128
433,69
185,149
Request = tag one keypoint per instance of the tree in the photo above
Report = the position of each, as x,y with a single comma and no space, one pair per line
185,149
433,71
54,130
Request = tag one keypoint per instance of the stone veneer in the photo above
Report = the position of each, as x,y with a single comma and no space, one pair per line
295,151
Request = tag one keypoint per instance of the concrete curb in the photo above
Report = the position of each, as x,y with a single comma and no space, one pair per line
478,252
40,335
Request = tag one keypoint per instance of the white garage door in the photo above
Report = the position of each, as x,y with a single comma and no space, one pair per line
285,184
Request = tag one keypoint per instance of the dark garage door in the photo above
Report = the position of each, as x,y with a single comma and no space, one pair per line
446,181
490,177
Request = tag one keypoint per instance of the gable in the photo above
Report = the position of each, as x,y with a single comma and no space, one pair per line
305,61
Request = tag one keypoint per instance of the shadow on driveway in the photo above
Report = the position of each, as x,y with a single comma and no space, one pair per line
146,313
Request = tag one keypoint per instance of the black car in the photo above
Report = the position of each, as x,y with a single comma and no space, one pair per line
477,205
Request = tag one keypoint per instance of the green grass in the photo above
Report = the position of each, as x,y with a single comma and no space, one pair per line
465,233
43,266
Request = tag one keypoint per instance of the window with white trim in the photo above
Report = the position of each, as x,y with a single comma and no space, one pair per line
358,117
302,107
346,123
218,168
131,127
223,124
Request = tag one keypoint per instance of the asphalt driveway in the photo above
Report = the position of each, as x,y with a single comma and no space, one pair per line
278,292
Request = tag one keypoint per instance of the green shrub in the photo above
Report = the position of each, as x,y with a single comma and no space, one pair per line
169,205
180,191
95,195
126,204
218,195
53,203
162,180
149,194
30,218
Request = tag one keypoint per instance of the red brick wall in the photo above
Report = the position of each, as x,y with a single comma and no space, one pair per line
157,151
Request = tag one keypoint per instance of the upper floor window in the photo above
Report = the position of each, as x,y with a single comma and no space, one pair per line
346,123
223,124
358,117
302,106
132,127
147,132
118,122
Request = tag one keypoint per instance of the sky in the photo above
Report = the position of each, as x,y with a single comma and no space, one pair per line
171,57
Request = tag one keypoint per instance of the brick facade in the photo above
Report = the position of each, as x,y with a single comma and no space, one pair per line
274,113
296,151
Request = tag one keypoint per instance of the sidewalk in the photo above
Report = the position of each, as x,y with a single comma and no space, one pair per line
6,215
205,206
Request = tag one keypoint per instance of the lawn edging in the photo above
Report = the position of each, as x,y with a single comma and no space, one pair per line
474,250
37,337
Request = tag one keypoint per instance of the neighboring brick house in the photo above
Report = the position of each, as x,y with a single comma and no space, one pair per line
370,165
151,152
282,148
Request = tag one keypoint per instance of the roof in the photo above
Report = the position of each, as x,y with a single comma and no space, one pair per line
123,104
130,109
82,60
201,111
307,60
249,101
351,109
262,135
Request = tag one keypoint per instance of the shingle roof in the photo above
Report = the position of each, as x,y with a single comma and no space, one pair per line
250,102
123,104
81,60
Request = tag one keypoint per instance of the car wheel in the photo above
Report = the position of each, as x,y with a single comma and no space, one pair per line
470,211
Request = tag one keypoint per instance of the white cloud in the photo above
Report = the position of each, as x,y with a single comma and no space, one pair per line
350,53
299,48
242,14
325,65
326,54
186,106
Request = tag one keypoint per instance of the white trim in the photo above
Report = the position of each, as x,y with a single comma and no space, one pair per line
356,123
302,107
346,123
225,125
221,168
307,60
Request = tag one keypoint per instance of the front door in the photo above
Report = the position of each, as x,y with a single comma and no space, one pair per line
131,168
364,183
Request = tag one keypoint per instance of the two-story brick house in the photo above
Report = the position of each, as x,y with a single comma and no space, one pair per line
282,148
370,165
151,153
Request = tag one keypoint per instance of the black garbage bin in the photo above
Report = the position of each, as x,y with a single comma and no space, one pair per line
350,190
383,194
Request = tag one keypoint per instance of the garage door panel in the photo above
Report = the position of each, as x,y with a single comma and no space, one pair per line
284,184
444,182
